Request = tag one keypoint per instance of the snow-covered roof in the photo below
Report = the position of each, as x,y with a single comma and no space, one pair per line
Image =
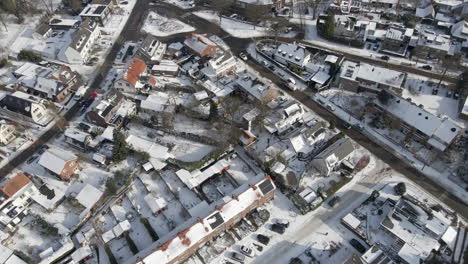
194,230
217,90
351,221
201,95
258,2
320,77
121,227
165,66
292,53
50,193
14,260
331,59
158,153
433,40
155,203
55,159
76,134
93,10
196,177
81,253
198,42
5,253
156,101
460,29
449,236
367,72
31,69
88,196
465,107
441,130
427,11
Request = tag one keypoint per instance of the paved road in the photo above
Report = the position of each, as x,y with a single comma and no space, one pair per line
130,32
239,45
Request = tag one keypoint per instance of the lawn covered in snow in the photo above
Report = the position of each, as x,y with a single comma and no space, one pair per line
161,26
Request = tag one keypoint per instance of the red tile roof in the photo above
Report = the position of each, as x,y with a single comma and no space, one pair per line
15,184
135,68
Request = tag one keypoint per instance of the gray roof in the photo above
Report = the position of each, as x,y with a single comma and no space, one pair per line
341,149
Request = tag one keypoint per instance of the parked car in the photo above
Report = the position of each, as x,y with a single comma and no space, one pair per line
376,47
358,246
427,67
278,228
385,58
333,201
32,159
263,239
265,63
449,94
271,67
283,222
238,257
291,83
435,91
234,16
258,247
331,107
456,96
243,56
347,126
246,251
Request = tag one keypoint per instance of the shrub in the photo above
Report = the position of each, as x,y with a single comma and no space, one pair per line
29,56
400,188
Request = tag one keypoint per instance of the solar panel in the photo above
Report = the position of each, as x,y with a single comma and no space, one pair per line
99,10
215,220
266,186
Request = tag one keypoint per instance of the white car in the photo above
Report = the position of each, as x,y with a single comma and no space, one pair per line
246,251
243,56
291,84
265,63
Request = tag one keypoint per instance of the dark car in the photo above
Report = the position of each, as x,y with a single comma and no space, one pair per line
435,91
278,228
283,222
84,127
456,96
263,239
238,257
333,201
358,246
427,67
271,67
385,58
31,159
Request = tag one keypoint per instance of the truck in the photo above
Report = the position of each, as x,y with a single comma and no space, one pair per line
80,92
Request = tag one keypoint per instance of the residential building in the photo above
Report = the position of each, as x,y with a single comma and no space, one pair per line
356,77
201,45
165,68
7,131
44,30
380,3
77,138
431,45
98,13
292,55
417,233
464,110
222,64
59,162
15,198
55,82
81,46
132,78
187,238
425,12
256,4
396,40
62,23
25,107
423,127
460,30
7,256
327,160
151,50
248,86
105,113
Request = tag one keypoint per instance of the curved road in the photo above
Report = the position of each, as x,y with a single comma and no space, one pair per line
131,32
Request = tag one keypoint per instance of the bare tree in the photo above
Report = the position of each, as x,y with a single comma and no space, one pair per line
314,4
220,6
3,19
256,15
277,26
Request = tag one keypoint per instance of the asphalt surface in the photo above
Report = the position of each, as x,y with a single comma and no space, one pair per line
132,32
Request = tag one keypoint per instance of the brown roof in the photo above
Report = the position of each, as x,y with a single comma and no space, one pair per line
15,184
135,68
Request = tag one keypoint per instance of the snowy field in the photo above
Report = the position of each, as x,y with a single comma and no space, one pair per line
234,27
161,26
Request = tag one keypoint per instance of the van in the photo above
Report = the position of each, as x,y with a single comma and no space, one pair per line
80,92
291,84
331,107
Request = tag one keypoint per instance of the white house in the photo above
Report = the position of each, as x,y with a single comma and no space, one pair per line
80,48
25,106
332,156
7,132
221,65
15,198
